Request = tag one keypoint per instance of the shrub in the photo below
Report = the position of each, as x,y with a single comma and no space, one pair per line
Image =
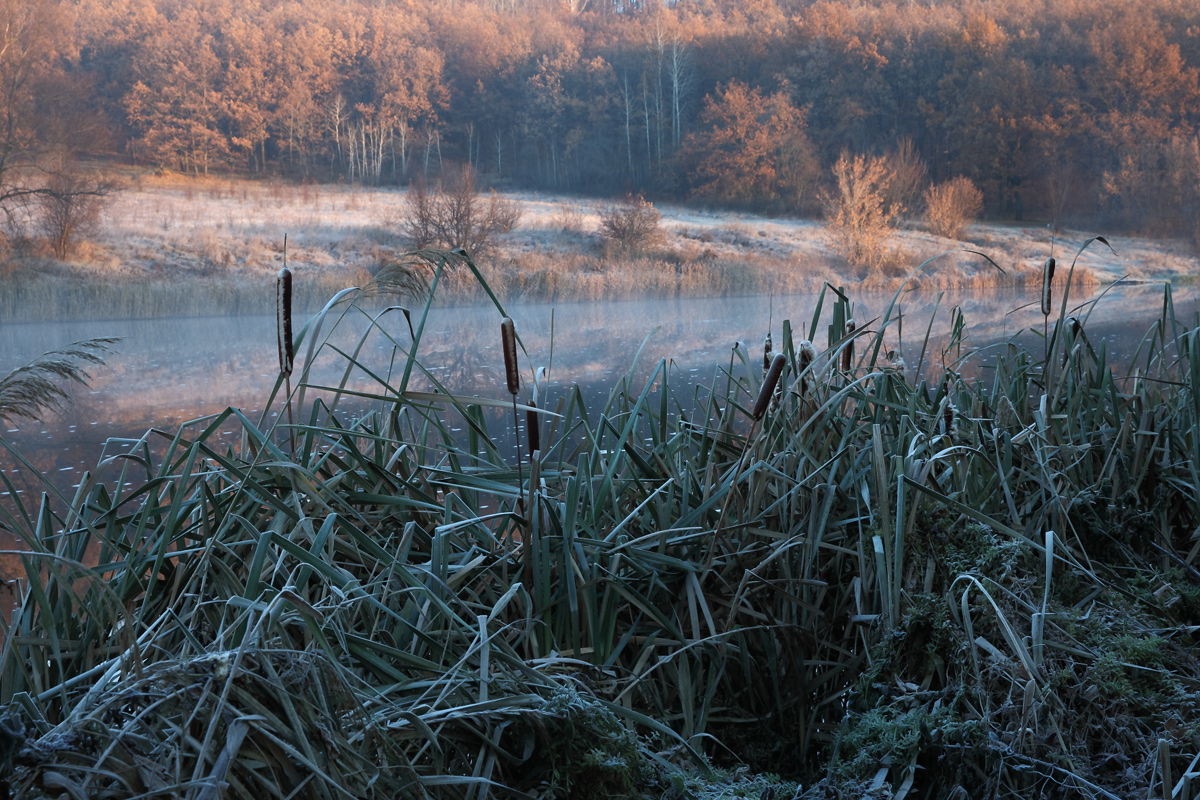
908,176
456,215
860,216
632,224
949,206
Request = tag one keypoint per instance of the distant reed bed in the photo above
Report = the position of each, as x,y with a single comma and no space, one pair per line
873,584
542,277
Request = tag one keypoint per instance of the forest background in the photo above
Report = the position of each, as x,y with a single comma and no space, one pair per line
1056,110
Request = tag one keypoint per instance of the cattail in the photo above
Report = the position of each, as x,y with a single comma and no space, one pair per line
283,314
848,349
768,386
1073,345
805,356
1006,413
508,341
533,428
948,424
1047,282
508,338
532,424
767,348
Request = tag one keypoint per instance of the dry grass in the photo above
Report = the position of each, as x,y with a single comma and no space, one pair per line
169,238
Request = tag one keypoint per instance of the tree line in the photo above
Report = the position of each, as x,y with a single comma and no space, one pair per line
1055,109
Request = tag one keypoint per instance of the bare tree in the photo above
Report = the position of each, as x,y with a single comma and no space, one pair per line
632,224
68,209
456,215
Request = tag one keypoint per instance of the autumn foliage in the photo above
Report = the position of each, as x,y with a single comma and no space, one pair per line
1054,110
861,211
950,205
751,149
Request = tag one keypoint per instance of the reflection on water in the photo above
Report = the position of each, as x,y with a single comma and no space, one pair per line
167,372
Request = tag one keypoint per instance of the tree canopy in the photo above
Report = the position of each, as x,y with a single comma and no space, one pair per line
1050,107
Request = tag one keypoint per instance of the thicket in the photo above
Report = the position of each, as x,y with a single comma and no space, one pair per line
889,585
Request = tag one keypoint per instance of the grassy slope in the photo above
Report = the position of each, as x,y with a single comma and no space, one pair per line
168,246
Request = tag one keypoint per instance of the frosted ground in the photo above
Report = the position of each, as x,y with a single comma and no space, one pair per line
234,229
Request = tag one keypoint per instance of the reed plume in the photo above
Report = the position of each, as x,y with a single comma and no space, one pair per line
30,390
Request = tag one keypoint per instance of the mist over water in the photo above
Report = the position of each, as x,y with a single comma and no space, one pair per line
166,372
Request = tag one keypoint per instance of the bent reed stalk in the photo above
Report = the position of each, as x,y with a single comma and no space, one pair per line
863,591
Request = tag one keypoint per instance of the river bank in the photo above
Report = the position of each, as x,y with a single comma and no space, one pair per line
183,247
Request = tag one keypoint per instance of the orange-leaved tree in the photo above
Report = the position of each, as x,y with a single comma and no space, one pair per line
751,149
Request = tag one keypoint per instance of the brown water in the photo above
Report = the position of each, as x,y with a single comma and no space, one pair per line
166,373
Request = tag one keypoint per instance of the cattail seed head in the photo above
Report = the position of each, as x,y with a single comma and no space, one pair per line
1047,283
533,429
768,386
806,354
948,424
848,349
767,348
1006,413
283,320
508,338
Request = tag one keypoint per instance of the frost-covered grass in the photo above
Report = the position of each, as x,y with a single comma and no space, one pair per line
170,244
956,588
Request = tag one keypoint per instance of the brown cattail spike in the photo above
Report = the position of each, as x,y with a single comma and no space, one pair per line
533,429
283,327
1047,283
848,349
768,386
508,338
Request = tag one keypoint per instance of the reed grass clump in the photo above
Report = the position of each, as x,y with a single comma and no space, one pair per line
987,588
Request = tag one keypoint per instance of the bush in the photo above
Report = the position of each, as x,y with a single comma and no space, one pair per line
456,215
632,224
860,212
949,206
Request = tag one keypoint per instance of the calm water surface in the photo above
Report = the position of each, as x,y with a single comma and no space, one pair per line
165,373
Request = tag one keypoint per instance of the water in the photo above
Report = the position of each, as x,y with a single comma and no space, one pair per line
167,372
